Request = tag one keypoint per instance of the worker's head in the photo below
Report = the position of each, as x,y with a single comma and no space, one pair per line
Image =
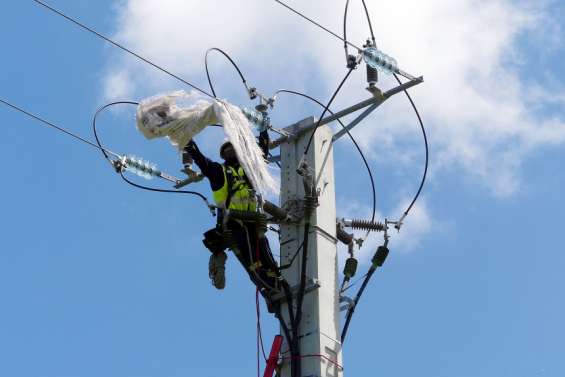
227,152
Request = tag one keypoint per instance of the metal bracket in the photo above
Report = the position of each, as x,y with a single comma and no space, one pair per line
356,121
311,285
294,208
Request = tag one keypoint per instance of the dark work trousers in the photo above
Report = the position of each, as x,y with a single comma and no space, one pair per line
250,249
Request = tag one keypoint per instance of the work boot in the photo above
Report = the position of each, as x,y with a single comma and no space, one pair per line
217,269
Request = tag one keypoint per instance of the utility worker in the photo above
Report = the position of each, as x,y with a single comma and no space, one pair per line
232,190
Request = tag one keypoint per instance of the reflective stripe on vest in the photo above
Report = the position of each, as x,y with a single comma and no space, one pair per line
242,198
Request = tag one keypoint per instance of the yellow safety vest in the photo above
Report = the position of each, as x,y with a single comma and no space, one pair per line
237,189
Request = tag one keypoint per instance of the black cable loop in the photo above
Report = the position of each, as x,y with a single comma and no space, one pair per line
372,269
95,130
345,25
423,181
238,71
326,108
96,117
369,171
231,61
164,190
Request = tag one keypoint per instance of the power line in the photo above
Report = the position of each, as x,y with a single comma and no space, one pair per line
60,129
89,29
164,190
345,25
231,61
147,188
423,181
317,24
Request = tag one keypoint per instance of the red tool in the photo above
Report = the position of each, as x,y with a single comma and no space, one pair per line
273,356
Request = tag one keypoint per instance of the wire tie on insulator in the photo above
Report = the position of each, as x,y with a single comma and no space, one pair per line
400,222
351,61
252,93
302,166
118,165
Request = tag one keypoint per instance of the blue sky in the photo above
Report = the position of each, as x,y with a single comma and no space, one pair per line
97,278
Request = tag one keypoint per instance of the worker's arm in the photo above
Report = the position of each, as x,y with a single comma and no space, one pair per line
210,169
264,141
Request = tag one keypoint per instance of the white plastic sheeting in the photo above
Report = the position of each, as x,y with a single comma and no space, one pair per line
180,116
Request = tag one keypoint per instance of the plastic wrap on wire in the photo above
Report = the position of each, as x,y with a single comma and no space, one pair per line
180,116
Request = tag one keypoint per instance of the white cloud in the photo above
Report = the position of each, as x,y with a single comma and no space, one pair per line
476,106
118,85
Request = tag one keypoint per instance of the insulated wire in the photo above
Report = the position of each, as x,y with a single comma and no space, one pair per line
317,24
423,181
238,71
326,108
96,116
163,190
351,309
407,95
372,269
259,332
147,188
60,129
354,283
345,25
371,178
231,61
89,29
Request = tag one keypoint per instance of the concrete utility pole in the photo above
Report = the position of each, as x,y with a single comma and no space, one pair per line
319,328
319,332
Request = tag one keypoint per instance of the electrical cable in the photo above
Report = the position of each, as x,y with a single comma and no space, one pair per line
260,345
372,269
353,284
409,98
60,129
94,119
423,181
231,61
164,190
240,75
369,171
89,29
289,339
259,332
351,309
289,264
345,26
300,298
326,108
97,137
317,24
